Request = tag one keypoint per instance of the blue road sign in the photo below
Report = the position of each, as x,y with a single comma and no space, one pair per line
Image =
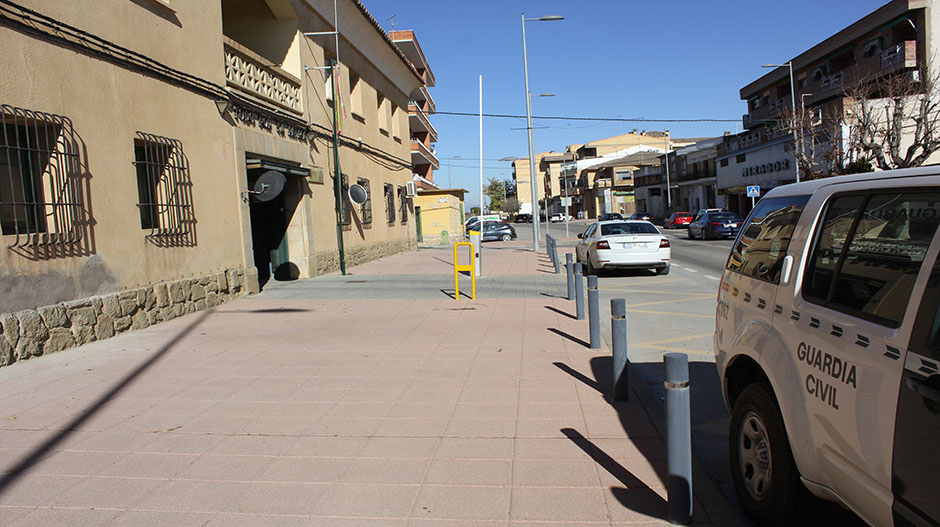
753,191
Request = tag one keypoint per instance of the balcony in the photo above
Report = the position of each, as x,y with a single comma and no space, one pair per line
250,73
419,122
424,100
422,155
904,53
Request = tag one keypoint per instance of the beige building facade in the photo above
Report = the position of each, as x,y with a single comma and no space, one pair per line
159,157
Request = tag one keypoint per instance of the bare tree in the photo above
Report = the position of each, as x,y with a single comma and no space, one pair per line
895,119
819,150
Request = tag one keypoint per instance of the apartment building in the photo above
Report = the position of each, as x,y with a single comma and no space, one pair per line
159,157
523,182
895,40
421,106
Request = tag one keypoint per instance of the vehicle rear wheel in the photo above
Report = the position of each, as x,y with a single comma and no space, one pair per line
662,270
506,237
765,475
588,268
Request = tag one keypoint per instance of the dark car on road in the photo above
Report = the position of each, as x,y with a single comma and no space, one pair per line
494,230
523,218
715,225
677,220
645,216
609,216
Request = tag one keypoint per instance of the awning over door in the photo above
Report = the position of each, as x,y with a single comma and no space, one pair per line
286,168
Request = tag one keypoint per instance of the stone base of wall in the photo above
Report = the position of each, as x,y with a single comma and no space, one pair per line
48,329
327,262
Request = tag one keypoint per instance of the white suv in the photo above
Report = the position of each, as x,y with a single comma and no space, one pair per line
827,343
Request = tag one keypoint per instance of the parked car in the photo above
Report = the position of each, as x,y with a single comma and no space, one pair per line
827,345
523,218
715,225
677,220
645,216
475,219
610,216
559,217
623,244
494,230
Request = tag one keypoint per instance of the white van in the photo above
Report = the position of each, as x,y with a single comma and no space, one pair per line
827,342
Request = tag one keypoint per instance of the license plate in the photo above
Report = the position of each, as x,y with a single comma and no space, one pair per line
635,245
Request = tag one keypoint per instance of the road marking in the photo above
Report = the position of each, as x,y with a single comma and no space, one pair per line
670,313
680,350
712,277
687,298
689,269
676,339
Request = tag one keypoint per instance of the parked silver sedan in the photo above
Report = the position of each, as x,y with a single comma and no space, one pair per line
623,244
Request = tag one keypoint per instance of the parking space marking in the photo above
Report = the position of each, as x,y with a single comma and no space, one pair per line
670,313
685,299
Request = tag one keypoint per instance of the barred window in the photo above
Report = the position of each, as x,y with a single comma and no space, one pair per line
347,206
403,203
41,195
390,202
164,190
365,210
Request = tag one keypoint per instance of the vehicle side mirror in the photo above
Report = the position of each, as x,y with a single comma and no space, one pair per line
580,235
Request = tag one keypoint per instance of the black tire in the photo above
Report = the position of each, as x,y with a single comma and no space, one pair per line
689,234
661,271
506,237
765,476
588,268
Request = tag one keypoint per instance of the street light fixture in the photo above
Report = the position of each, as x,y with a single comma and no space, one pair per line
528,113
789,64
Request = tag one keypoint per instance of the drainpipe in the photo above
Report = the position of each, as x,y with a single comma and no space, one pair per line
338,177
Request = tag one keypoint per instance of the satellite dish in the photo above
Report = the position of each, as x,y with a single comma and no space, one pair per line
358,194
269,186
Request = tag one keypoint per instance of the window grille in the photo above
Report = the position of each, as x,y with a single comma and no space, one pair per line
365,210
390,203
403,203
41,193
347,205
164,190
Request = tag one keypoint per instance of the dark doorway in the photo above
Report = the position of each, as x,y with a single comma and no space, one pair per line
269,222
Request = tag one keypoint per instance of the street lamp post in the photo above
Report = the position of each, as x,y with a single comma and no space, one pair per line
528,114
789,64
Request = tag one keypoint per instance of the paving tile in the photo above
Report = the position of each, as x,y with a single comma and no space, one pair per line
558,504
378,470
43,517
194,496
107,493
371,501
290,498
411,427
475,448
488,472
324,446
462,503
554,473
481,428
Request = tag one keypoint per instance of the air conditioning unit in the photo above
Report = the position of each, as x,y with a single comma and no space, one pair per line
411,189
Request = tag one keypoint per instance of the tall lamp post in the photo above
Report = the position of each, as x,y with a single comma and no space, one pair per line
789,64
528,114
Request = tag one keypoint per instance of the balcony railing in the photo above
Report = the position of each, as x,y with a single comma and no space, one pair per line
249,72
424,154
416,114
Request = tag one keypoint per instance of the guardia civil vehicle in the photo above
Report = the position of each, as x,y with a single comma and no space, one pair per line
827,342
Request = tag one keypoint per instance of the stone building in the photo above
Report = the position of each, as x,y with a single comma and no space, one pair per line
159,157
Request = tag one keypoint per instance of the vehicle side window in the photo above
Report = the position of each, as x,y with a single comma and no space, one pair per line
925,337
590,232
762,245
869,250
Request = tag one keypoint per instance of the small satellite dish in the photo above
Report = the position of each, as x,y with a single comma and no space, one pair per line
358,194
268,186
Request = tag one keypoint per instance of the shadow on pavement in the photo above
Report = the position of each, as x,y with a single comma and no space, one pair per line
576,340
37,454
560,312
635,495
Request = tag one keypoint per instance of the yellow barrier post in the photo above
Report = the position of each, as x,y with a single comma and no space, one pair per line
469,267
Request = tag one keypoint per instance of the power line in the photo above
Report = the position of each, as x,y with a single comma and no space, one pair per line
604,119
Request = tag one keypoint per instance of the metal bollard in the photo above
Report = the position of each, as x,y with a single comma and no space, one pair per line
618,338
594,312
569,267
678,437
555,255
579,290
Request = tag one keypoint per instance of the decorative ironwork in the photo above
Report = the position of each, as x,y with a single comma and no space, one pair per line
244,72
164,189
41,192
403,204
365,210
390,203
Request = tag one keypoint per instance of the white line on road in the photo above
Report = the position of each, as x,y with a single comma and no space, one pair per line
689,269
712,277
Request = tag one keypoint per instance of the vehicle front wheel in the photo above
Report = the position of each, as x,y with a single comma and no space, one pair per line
689,234
765,475
506,237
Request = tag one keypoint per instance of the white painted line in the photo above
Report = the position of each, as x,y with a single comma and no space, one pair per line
689,269
712,277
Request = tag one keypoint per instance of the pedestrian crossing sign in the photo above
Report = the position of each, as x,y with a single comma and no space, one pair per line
753,191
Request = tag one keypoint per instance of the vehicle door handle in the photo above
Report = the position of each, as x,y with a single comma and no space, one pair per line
921,388
785,271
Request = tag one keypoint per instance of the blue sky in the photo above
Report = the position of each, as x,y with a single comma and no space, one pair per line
680,59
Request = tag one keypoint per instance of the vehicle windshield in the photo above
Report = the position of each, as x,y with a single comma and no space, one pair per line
723,216
680,214
613,229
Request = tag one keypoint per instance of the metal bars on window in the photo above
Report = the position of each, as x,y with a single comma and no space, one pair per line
365,210
347,204
403,203
390,202
41,195
164,189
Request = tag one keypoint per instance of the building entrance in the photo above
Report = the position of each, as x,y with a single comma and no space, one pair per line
270,219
